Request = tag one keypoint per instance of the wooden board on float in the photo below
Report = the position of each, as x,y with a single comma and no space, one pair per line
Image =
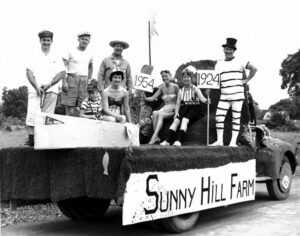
61,132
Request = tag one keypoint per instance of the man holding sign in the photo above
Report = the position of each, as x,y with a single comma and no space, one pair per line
232,73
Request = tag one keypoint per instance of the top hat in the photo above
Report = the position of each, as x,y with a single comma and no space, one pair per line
125,45
231,43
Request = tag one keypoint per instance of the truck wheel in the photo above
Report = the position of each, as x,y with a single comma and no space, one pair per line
180,223
279,189
84,208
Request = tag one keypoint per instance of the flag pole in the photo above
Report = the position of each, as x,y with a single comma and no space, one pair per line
149,39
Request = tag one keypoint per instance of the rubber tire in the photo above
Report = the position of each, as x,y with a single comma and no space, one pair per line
180,223
279,189
155,225
84,208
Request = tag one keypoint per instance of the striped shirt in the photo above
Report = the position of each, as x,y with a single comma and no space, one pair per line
188,96
232,72
90,107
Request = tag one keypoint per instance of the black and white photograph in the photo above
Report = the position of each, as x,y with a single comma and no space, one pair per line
148,117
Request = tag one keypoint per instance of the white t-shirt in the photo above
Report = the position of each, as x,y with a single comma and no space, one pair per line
44,68
78,61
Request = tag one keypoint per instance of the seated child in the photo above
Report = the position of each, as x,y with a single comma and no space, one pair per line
91,107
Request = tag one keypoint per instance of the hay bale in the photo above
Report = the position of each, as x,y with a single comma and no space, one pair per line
197,132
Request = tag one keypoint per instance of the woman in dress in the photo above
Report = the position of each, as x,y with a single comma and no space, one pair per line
113,98
187,109
169,92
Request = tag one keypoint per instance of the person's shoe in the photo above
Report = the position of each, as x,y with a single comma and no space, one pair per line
165,143
177,143
233,145
30,141
154,141
217,143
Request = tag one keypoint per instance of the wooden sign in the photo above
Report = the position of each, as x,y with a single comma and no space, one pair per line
208,79
144,82
154,195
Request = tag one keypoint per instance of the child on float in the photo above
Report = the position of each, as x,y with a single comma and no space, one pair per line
91,106
187,110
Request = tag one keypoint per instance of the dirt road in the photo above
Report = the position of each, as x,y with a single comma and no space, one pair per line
259,217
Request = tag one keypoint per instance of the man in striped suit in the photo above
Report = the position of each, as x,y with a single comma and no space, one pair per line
233,78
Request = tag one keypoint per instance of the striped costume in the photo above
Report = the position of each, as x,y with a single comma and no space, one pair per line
232,95
92,108
190,105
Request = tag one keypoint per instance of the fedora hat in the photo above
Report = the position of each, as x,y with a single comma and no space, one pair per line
231,43
112,43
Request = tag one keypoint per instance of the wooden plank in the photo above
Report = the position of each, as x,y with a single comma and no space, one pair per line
73,132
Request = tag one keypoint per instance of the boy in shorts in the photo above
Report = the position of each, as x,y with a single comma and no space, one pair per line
91,107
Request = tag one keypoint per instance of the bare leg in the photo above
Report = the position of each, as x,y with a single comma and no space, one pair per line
161,116
69,111
109,118
154,119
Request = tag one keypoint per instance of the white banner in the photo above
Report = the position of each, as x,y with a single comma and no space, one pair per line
155,195
208,79
144,82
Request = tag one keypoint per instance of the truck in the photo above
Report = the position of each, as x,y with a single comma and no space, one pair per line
165,185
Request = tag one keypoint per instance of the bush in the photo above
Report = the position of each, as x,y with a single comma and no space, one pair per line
279,122
15,102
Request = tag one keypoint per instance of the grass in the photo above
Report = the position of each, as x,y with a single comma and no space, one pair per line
290,137
12,139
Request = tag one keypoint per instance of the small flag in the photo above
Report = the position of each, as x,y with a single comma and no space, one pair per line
153,30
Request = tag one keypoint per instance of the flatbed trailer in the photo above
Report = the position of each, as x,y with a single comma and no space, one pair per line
165,185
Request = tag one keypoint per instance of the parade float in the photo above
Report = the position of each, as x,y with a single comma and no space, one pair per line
168,186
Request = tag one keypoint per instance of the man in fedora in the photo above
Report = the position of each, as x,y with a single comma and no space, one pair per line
43,72
79,63
115,62
233,79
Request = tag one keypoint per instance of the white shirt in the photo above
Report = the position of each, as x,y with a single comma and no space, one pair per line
44,68
78,61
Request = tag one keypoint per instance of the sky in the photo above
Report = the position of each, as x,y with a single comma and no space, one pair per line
189,30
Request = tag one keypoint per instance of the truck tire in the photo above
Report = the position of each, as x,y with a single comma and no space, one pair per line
180,223
279,189
84,208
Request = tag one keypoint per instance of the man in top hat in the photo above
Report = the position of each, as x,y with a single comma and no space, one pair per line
233,79
43,72
115,62
79,63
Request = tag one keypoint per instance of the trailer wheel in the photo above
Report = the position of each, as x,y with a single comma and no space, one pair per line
279,189
180,223
84,208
